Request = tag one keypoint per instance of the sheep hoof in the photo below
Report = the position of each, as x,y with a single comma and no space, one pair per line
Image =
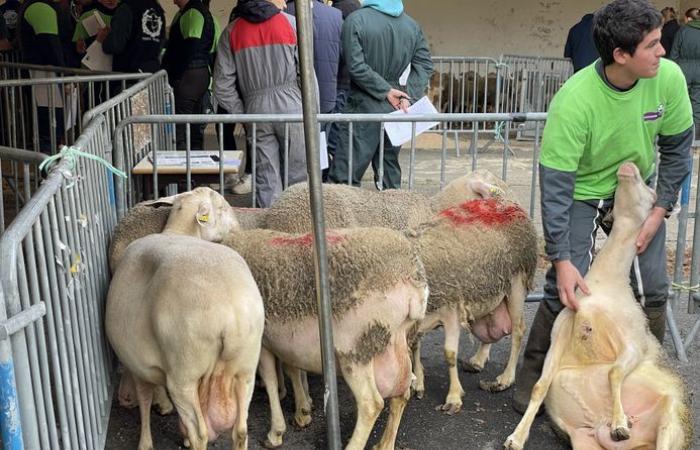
268,444
420,394
512,444
620,434
302,420
493,386
449,408
470,367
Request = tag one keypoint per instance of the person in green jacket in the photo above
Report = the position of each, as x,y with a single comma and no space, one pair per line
379,42
685,51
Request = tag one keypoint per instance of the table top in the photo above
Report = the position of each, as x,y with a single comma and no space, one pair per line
202,162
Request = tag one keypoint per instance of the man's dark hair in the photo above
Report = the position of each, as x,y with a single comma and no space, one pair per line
623,24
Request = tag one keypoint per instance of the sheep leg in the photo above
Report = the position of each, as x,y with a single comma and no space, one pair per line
453,402
305,383
280,380
302,412
360,379
670,432
619,426
244,387
560,342
418,372
161,400
144,397
186,400
268,372
515,303
397,405
477,362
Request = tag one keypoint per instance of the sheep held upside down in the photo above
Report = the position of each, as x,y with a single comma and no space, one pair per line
603,382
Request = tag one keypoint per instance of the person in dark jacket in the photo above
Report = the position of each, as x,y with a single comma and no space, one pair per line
186,60
10,12
245,82
135,36
328,23
5,44
380,43
81,38
347,6
686,52
40,44
670,28
579,43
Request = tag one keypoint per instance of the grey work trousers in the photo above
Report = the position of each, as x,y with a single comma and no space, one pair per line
270,159
648,275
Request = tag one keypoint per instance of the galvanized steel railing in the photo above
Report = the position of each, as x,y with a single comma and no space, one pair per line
55,366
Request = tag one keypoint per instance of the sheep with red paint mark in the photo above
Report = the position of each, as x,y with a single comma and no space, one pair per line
480,258
378,290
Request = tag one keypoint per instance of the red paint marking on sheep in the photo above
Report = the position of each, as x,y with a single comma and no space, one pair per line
490,212
305,240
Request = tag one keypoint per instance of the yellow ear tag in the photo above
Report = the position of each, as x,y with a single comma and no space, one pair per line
496,191
202,218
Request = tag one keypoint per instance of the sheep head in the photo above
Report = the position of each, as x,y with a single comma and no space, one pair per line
475,185
633,198
201,212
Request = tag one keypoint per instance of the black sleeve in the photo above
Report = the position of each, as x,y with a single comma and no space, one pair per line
674,165
556,198
568,50
120,31
3,28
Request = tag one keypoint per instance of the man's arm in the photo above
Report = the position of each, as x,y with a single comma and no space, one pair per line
360,72
674,165
421,68
225,86
44,21
120,30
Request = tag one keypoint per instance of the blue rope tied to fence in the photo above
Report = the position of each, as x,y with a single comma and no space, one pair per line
498,131
72,153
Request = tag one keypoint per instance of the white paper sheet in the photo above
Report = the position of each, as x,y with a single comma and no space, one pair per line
323,148
93,23
198,158
70,114
96,59
403,79
400,132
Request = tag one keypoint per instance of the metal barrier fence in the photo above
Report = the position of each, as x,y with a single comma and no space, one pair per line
21,180
55,364
11,56
46,110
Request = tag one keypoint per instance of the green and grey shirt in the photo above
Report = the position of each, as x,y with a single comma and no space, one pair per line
38,34
592,128
191,39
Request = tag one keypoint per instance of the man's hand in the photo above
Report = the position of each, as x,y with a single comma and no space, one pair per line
5,45
649,228
102,34
398,99
80,46
568,279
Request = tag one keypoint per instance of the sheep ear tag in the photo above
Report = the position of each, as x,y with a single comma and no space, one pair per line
203,215
485,190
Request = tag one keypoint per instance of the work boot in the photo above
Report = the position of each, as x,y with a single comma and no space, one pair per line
657,321
533,360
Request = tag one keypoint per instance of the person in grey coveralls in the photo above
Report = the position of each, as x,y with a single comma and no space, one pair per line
257,72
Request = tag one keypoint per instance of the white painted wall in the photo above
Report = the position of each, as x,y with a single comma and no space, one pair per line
485,27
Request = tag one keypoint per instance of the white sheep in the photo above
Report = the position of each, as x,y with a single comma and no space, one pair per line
604,382
376,302
185,313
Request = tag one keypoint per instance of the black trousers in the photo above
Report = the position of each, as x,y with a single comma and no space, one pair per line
189,90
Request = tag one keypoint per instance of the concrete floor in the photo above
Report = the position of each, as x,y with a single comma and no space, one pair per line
486,420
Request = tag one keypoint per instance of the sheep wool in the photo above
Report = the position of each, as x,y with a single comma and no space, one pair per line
472,251
372,342
361,262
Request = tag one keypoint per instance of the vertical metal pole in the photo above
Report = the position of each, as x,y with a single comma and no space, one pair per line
313,164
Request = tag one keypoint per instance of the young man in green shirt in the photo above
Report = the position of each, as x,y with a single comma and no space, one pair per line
608,113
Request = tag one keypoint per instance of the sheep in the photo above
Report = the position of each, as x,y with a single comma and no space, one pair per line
480,258
603,382
376,302
185,313
347,206
149,217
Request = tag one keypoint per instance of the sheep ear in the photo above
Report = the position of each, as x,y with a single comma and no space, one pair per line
163,201
485,190
203,213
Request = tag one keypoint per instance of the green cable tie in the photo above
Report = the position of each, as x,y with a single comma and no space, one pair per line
71,153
